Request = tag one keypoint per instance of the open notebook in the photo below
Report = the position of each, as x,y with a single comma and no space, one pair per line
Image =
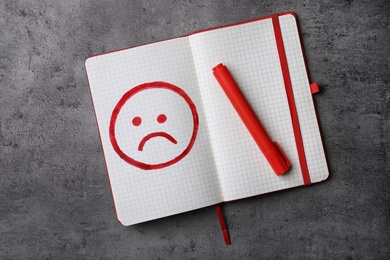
172,140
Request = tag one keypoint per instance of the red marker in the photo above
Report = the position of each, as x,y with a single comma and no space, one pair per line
271,150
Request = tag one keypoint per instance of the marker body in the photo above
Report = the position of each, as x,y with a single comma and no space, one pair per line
271,150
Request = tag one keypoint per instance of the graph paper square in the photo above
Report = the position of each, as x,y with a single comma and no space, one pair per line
225,163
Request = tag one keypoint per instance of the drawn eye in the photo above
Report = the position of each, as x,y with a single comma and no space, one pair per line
137,121
161,118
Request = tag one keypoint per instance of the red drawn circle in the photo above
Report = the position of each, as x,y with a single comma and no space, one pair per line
137,121
122,102
161,118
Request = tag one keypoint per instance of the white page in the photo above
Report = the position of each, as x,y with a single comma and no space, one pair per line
249,51
311,136
190,183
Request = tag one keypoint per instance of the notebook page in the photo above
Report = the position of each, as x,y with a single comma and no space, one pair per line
315,155
185,184
249,51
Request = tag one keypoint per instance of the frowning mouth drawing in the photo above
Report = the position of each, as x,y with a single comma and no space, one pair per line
153,135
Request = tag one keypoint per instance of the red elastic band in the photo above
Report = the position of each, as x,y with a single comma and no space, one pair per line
291,102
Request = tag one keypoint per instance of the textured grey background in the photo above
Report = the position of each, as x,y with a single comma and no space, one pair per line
55,199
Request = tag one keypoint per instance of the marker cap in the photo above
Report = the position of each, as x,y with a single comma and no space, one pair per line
278,160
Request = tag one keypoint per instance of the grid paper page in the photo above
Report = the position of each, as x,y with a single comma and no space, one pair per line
315,155
141,195
250,52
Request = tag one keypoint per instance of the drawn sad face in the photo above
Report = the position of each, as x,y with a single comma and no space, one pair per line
154,125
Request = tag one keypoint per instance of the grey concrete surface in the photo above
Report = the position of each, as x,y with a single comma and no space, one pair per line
55,200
